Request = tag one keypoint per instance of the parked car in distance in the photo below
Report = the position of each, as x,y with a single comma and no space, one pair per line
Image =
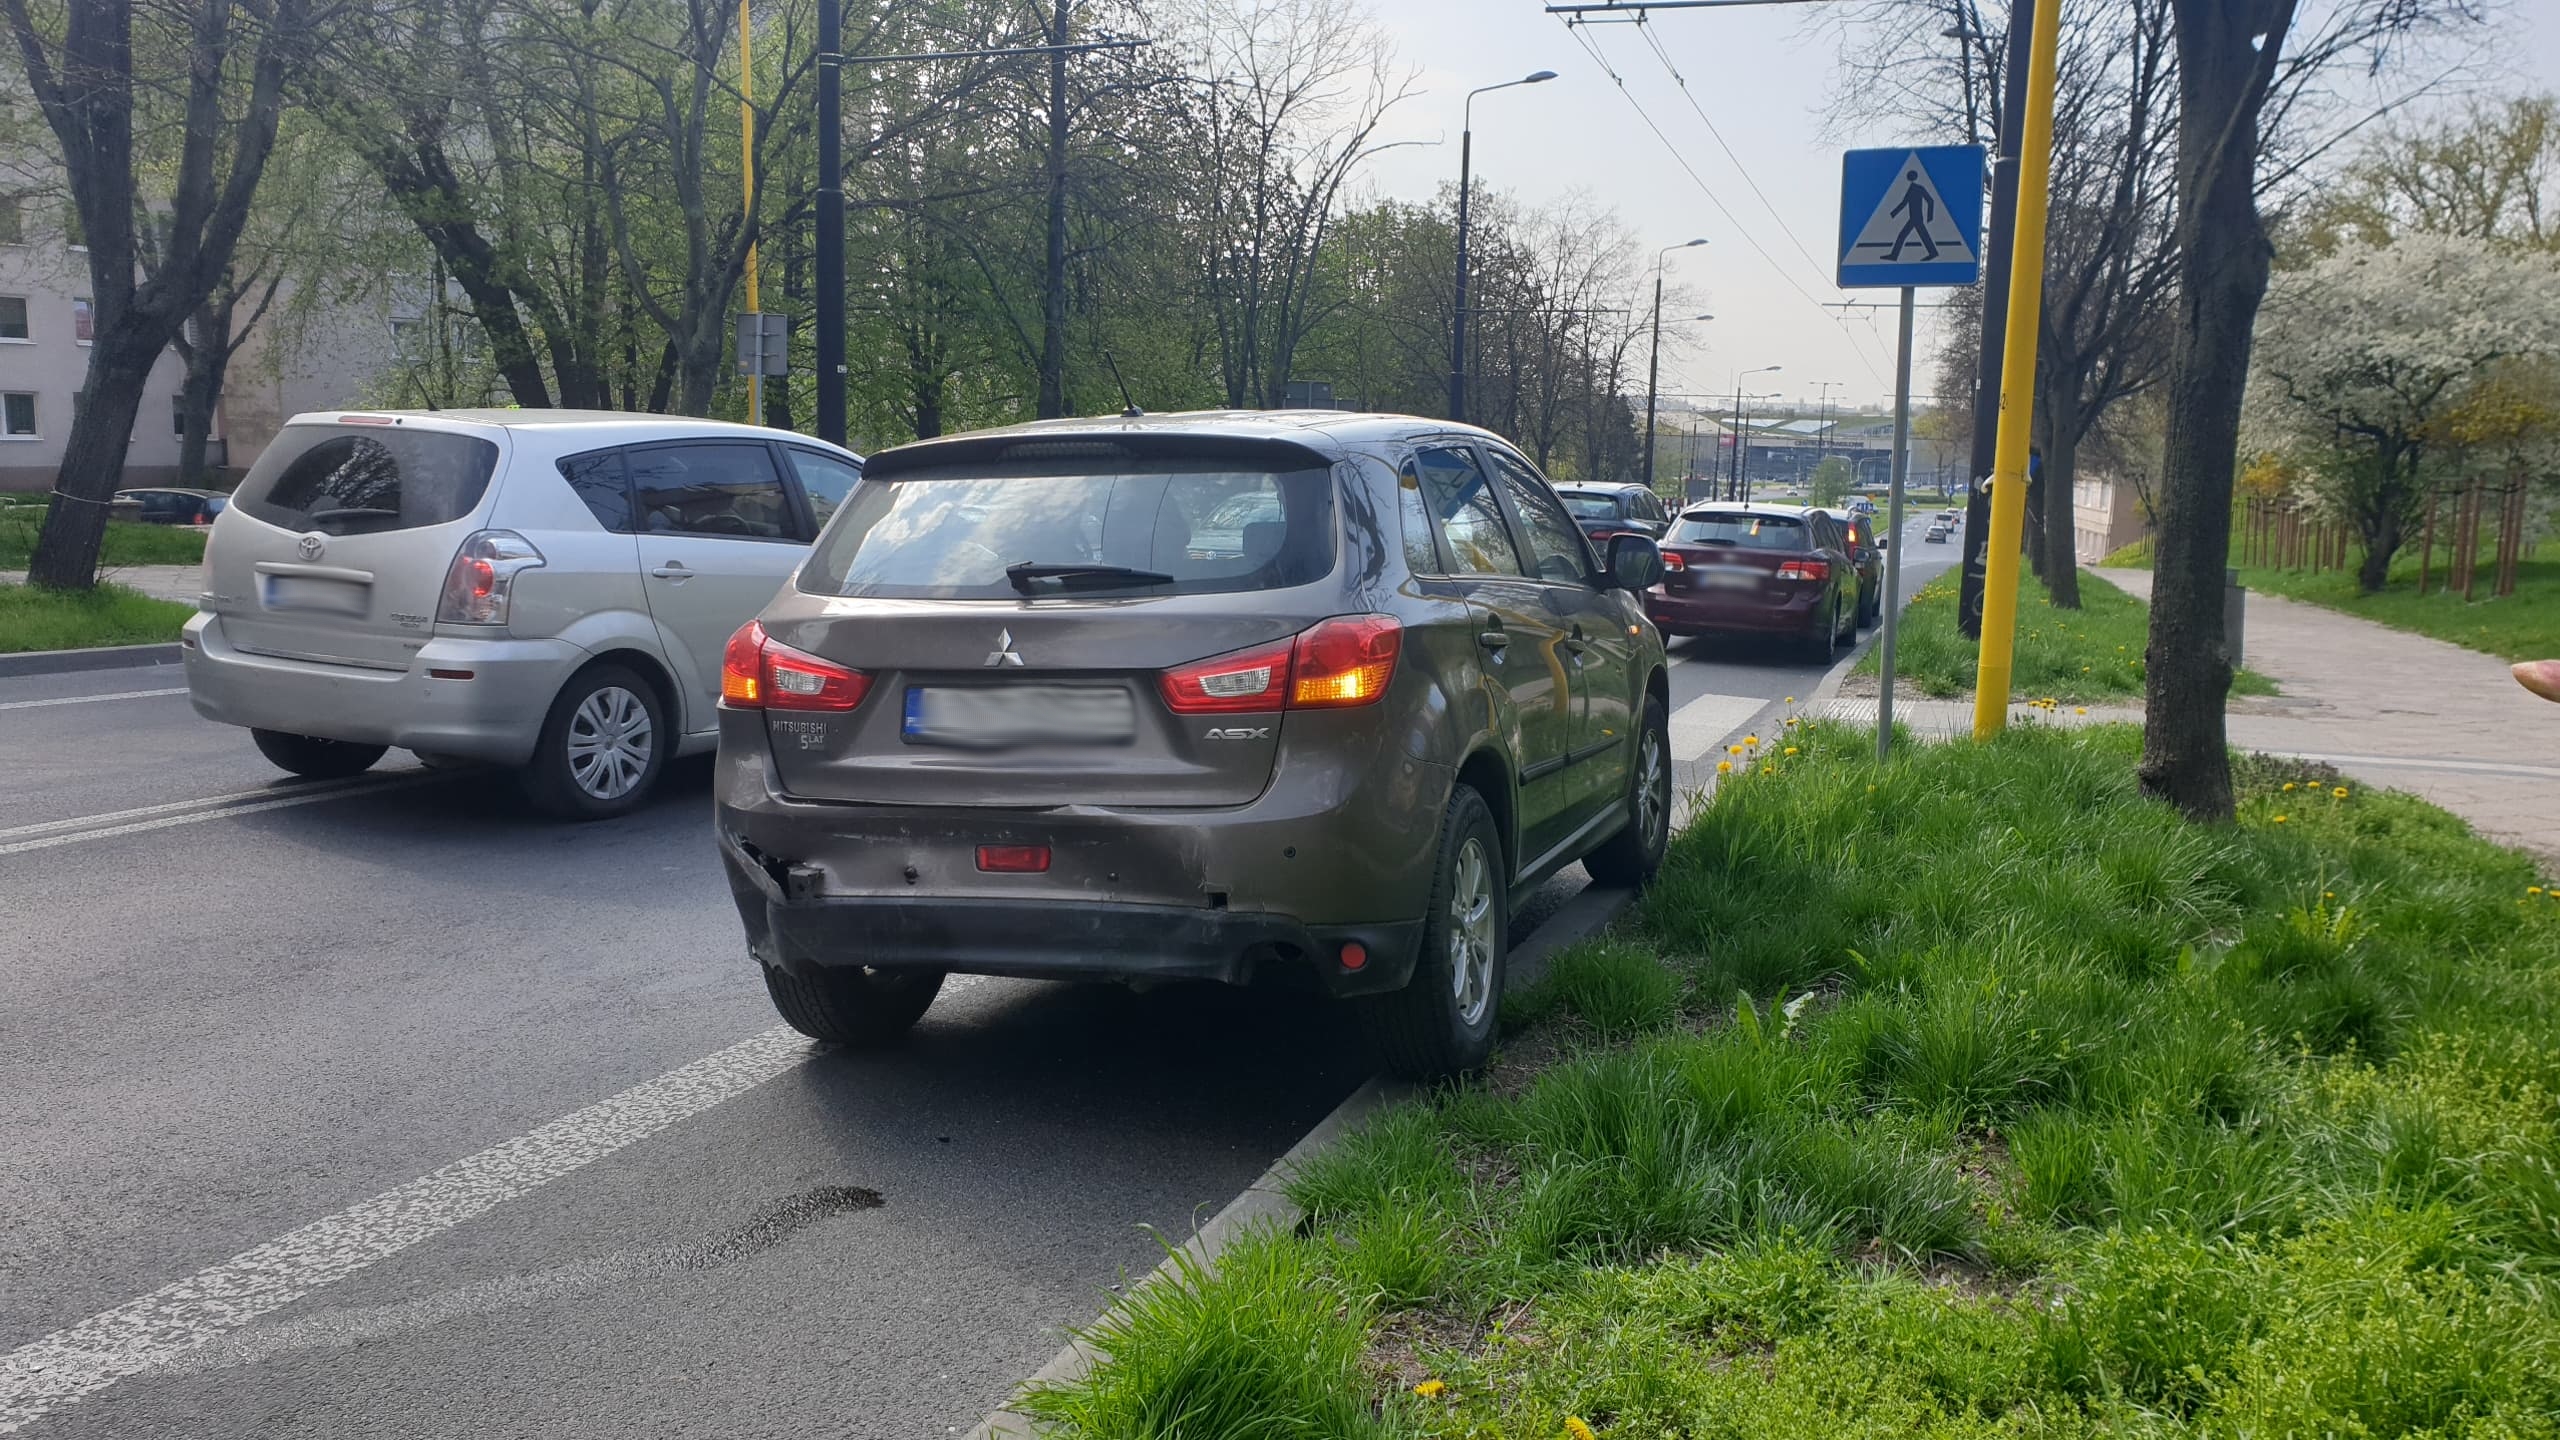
1937,533
548,590
1866,552
1029,710
174,505
1606,510
1759,569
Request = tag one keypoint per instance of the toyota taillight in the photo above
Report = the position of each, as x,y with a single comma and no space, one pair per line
480,584
1810,570
1672,563
1334,664
758,672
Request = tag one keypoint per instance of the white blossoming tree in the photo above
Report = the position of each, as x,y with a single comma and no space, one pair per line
2363,356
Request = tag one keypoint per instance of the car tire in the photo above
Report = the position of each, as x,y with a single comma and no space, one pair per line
602,747
1630,857
1443,1021
314,758
1825,639
854,1006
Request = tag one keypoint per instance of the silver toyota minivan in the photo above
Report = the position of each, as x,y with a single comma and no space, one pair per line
543,589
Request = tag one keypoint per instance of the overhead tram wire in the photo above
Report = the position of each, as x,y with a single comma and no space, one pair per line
1646,30
1591,48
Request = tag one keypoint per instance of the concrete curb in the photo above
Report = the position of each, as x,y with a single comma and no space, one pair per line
1266,1201
72,662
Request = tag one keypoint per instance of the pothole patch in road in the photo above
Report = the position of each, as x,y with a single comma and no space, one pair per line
769,1226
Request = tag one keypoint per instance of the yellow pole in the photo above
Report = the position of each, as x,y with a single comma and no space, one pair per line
747,157
2017,386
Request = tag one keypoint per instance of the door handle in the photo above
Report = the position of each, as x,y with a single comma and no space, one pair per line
1494,640
673,570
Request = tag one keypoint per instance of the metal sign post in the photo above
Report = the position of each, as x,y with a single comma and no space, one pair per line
1907,218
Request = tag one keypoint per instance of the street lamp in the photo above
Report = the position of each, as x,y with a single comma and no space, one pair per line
1653,366
1466,159
1738,440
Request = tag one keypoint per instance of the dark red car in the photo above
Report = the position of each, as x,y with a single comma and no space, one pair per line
1762,570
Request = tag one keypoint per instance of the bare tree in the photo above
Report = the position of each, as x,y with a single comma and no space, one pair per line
226,68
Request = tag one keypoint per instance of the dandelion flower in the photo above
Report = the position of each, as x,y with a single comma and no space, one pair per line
2079,709
2288,787
1791,699
2338,794
2533,889
2279,819
1791,749
1754,740
1575,1429
1429,1388
1733,749
1724,767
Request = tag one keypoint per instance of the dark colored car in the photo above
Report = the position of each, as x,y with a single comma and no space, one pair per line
1301,698
1866,551
1759,569
1606,510
171,505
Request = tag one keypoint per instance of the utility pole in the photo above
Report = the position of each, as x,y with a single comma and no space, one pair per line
830,280
1653,365
1997,265
1466,179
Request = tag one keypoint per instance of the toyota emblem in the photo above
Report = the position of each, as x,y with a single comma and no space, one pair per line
311,546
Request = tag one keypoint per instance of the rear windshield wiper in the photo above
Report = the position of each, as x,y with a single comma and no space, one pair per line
1026,574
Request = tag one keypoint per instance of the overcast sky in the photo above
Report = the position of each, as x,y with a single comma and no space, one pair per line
1762,74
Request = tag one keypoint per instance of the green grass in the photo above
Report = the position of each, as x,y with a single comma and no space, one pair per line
2088,656
127,543
2522,626
1979,1095
38,619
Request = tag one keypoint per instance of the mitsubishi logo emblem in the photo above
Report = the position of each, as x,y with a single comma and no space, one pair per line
1004,654
310,546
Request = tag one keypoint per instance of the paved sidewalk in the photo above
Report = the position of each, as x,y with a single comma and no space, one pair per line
2390,708
180,583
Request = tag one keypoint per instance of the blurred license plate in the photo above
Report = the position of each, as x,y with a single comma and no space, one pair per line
1730,577
1020,715
329,597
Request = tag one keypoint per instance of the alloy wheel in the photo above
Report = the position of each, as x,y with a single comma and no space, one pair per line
1471,930
610,740
1653,789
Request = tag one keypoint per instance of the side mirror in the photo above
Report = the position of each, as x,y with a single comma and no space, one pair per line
1883,543
1635,563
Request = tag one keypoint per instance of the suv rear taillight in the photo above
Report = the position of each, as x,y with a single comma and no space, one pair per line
481,580
758,672
1814,570
1334,664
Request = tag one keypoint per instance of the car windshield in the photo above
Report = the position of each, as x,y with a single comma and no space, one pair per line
1751,532
1002,530
1589,507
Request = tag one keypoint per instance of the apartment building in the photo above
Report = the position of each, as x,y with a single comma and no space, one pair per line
45,329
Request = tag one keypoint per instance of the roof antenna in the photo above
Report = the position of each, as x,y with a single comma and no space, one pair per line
1132,411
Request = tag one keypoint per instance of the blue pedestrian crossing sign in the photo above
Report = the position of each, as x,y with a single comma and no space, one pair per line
1911,216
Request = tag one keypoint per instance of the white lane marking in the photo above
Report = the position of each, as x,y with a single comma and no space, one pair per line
315,788
87,1357
1701,725
90,699
47,834
79,1360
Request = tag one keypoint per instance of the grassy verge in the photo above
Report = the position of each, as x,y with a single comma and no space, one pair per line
2522,626
127,543
38,619
2092,656
1972,1095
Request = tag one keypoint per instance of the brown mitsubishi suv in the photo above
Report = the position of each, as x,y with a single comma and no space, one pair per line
1298,697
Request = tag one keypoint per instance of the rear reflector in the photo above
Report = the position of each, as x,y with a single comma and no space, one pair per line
1354,954
1013,859
450,674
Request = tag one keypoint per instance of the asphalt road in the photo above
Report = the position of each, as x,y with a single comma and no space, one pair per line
387,1108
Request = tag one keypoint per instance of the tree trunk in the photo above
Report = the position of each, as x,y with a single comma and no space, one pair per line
1053,275
66,553
2061,530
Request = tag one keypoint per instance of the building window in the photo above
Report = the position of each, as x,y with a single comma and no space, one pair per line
84,321
18,415
13,317
13,221
74,234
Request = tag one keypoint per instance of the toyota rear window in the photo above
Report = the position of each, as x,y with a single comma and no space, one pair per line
1009,529
364,479
1749,532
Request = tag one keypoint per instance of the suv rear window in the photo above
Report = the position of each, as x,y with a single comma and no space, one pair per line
950,533
1751,532
1586,506
361,480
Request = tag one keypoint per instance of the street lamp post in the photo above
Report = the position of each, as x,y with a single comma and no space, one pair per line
1653,366
1739,440
1466,161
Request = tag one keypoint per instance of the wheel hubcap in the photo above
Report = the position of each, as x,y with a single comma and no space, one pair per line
1653,791
610,738
1471,933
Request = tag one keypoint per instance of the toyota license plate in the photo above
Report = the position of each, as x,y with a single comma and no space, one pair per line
1731,577
321,596
993,716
